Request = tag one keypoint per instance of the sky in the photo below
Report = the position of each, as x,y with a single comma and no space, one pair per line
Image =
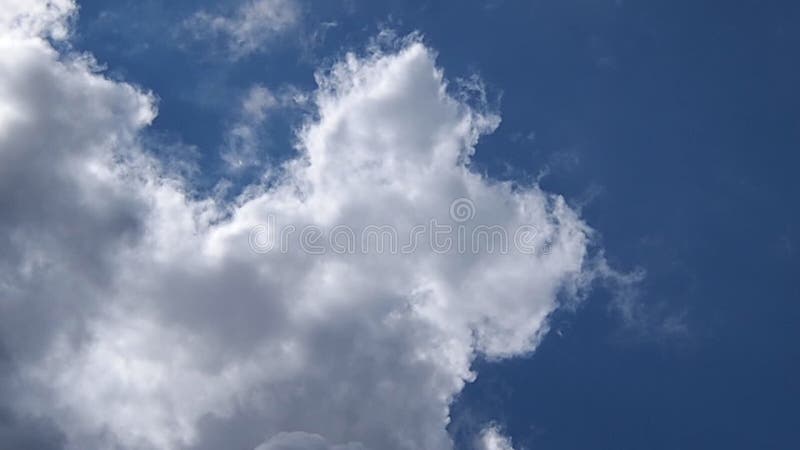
173,174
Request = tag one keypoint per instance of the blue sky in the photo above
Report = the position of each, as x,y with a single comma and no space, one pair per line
671,127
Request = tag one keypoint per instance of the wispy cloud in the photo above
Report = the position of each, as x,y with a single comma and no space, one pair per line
244,144
242,141
249,28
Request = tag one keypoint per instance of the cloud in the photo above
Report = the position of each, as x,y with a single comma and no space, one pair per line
492,439
249,28
62,126
303,441
246,141
36,17
243,142
134,312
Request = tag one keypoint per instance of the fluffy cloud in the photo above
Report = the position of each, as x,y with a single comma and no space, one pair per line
492,439
249,28
65,207
33,18
134,315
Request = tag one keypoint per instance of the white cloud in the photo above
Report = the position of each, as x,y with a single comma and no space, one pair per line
246,141
492,439
134,312
36,17
243,143
249,28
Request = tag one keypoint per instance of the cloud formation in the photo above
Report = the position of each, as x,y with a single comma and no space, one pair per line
134,315
492,439
249,28
35,18
303,441
243,141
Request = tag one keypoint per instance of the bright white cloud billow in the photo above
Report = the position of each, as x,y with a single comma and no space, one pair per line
135,316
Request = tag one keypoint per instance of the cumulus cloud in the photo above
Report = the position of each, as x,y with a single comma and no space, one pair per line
249,28
34,18
135,315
